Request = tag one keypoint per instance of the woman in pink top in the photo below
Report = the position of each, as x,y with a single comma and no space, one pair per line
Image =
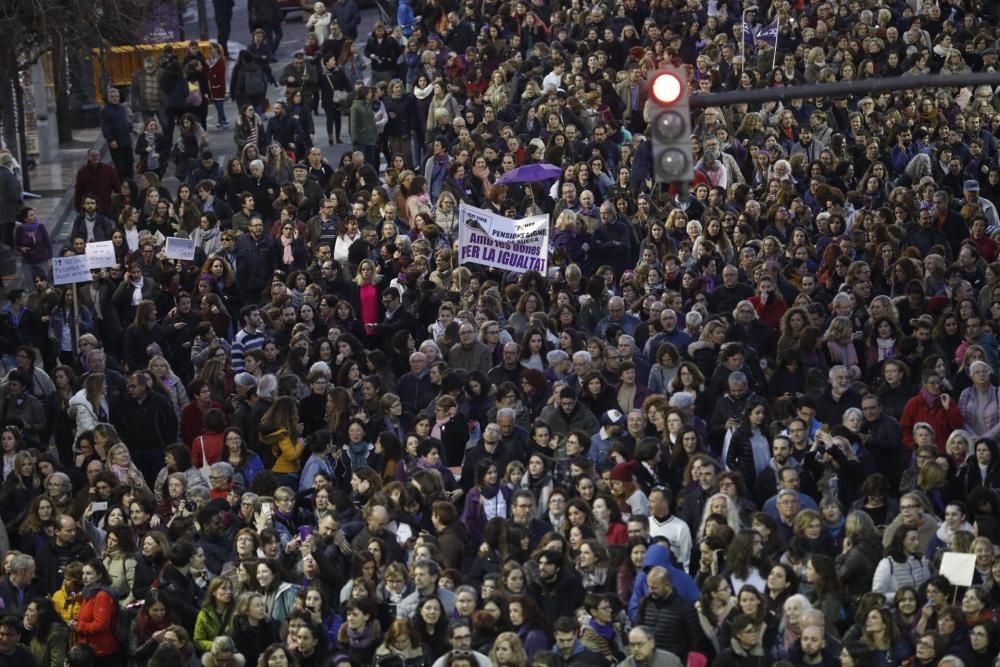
368,297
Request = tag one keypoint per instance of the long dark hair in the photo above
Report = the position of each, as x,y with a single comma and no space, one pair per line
45,617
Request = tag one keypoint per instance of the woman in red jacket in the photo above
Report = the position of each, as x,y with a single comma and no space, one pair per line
95,624
217,83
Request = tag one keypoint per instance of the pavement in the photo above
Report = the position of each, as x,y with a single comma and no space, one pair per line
54,180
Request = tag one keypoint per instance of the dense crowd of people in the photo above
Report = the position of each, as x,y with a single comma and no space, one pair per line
750,422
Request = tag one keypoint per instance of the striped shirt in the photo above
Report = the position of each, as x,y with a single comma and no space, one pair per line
243,343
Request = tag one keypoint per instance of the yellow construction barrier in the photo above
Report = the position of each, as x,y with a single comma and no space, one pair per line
117,65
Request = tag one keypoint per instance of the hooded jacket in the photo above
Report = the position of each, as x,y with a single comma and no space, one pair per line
95,625
684,585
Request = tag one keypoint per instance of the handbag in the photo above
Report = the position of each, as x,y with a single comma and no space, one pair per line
206,467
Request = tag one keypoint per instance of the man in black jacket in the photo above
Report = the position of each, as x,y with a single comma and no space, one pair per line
672,619
255,260
397,318
384,52
146,422
414,388
179,591
217,545
558,591
117,130
882,435
60,551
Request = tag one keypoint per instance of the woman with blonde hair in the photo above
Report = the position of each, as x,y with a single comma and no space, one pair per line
160,368
838,341
369,298
89,406
508,651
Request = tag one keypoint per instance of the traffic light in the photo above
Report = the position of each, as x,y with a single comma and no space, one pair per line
670,126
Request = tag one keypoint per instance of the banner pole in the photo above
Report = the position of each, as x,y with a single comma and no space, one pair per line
76,319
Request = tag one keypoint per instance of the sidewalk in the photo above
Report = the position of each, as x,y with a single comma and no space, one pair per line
54,182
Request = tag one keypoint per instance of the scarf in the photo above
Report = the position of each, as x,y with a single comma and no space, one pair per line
886,348
605,632
931,400
137,290
360,639
121,472
252,137
490,491
423,93
287,257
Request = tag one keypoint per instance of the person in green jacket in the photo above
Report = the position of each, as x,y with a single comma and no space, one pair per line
215,615
364,134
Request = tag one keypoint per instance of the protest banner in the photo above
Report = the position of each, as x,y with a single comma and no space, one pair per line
101,255
511,245
66,270
180,248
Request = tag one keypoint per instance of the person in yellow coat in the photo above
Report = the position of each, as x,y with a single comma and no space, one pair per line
68,598
280,430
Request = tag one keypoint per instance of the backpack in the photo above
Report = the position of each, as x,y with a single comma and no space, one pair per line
254,82
194,98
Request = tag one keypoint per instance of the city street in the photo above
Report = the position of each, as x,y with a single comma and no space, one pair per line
59,216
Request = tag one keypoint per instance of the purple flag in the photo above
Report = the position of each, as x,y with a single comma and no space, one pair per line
769,34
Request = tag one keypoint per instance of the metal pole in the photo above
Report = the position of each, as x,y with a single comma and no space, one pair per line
743,41
76,319
845,88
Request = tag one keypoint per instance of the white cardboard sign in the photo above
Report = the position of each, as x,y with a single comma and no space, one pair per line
67,270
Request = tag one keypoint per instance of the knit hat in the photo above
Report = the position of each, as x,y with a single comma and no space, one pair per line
623,472
612,418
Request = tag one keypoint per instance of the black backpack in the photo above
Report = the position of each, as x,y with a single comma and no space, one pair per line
254,82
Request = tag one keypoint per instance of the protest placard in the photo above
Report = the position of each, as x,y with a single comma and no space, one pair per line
958,568
101,255
67,270
180,248
493,240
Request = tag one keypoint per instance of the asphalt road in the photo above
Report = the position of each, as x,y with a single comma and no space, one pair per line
221,142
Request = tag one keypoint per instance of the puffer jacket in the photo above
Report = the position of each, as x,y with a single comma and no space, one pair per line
674,622
95,624
890,575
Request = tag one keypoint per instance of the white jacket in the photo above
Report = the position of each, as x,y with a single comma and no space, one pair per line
83,412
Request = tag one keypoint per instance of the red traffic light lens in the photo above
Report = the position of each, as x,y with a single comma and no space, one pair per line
666,88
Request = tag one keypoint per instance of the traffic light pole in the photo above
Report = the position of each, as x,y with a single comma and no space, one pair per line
857,88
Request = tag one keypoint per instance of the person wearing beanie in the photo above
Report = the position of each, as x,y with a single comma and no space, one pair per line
631,499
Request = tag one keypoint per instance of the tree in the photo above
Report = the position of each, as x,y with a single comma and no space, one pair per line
31,28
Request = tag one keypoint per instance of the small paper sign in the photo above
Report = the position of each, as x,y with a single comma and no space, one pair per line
101,255
958,568
180,248
67,270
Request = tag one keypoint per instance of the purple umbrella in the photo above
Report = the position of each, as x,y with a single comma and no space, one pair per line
530,173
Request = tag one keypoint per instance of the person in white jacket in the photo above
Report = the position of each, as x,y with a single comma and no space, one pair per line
903,565
89,406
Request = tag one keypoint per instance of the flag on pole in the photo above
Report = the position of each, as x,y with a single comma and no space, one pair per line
748,37
768,34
